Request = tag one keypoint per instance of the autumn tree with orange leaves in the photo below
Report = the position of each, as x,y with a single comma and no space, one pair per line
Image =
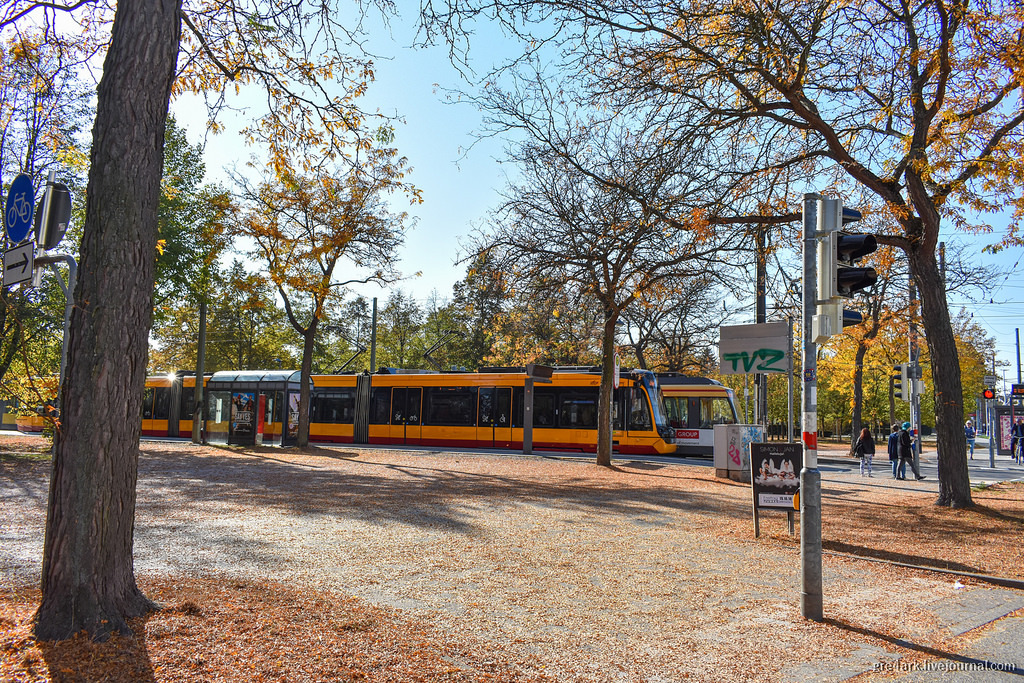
909,110
295,55
319,233
581,219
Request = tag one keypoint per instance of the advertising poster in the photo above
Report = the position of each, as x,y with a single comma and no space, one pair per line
293,415
243,412
775,474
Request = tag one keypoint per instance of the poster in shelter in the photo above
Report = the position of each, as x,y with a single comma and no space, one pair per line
243,412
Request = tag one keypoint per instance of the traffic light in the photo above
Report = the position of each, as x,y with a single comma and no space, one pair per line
900,384
988,394
838,251
53,215
831,319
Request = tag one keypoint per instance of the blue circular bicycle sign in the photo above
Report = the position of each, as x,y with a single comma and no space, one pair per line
18,210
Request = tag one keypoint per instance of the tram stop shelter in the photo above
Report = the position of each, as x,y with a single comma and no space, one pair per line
253,407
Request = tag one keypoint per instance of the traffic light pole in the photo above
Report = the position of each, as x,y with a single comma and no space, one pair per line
913,371
991,433
810,477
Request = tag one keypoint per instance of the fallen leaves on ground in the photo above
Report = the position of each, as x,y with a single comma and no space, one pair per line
219,628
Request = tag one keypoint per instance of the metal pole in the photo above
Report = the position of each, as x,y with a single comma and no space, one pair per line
198,412
789,390
69,303
914,355
1017,333
991,433
373,338
760,317
528,417
810,477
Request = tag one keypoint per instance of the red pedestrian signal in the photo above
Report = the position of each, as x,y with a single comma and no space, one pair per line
989,394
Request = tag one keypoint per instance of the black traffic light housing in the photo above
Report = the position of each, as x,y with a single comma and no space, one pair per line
900,386
849,249
837,252
53,215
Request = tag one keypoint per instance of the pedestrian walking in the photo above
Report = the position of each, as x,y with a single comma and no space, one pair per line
905,448
970,434
893,448
865,450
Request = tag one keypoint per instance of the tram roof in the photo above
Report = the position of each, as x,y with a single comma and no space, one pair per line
256,376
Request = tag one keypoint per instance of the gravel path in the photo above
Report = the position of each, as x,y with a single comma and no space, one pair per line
640,572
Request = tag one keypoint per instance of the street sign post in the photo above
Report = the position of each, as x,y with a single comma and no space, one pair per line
18,264
18,208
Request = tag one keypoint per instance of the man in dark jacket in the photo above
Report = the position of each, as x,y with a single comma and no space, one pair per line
893,447
905,448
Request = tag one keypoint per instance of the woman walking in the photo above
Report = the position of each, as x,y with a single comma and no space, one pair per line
865,450
970,434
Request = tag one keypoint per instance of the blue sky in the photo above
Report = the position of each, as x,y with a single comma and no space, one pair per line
460,178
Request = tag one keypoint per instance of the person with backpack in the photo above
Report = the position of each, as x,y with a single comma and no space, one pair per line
865,450
893,448
905,448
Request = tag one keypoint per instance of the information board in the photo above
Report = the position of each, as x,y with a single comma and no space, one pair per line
775,479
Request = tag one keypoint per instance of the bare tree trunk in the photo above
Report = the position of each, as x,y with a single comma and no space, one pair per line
304,394
604,400
954,480
88,579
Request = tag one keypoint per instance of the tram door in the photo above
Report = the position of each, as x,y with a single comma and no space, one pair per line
494,427
405,415
218,416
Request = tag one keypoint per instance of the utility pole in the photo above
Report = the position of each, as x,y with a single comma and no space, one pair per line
198,411
761,316
810,477
373,338
914,371
1017,333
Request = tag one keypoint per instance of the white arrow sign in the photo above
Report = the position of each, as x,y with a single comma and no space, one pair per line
18,264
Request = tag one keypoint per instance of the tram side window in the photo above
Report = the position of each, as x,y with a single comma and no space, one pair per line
639,414
380,406
676,411
452,406
162,403
715,411
544,413
188,403
578,410
147,403
156,403
335,407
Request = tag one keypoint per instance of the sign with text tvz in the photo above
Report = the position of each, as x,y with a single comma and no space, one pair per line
763,348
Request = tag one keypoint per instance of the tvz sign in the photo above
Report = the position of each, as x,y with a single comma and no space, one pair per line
763,348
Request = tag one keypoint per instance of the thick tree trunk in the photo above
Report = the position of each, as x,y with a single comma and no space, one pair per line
88,579
604,400
304,394
954,480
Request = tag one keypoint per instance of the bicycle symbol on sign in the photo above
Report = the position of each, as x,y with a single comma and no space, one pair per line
20,209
